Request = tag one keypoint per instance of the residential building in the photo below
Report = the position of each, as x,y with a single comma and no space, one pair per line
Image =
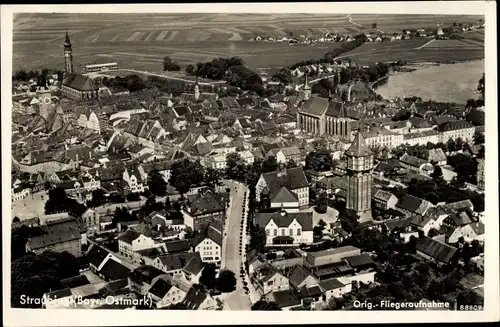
411,205
437,155
267,279
379,136
64,234
202,209
300,277
91,220
174,264
415,164
286,228
480,174
131,241
385,200
209,244
440,253
456,129
422,138
293,179
166,291
330,256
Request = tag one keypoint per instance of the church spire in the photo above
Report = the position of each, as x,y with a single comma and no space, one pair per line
66,39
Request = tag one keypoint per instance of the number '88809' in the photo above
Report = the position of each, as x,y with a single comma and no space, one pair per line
470,307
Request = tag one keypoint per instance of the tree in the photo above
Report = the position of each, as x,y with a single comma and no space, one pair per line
157,184
374,25
318,232
480,86
190,69
16,219
319,160
98,197
34,275
262,305
322,205
478,138
291,164
437,174
226,282
169,65
258,237
269,164
186,174
284,75
433,232
208,276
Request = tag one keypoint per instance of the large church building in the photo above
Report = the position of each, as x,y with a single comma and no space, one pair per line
76,86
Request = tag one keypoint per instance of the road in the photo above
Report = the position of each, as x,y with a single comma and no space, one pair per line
170,77
232,258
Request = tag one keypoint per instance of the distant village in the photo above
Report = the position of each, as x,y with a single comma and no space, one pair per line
324,198
374,35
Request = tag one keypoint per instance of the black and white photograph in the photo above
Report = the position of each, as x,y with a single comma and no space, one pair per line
261,160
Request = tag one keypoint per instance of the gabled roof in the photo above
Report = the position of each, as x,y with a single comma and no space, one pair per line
286,298
203,204
297,275
129,236
194,298
178,260
114,270
284,219
293,179
413,204
330,284
359,260
161,287
315,106
283,195
412,161
177,246
437,250
80,82
359,148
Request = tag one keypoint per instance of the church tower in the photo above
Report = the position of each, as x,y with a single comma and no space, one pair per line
44,99
196,90
307,90
359,178
68,56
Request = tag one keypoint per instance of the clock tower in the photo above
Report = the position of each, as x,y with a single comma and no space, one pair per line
359,178
68,56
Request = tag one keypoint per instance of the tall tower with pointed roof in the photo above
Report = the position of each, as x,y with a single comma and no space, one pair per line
307,90
196,90
359,178
68,56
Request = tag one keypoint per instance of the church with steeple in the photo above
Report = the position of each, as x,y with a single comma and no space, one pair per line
76,86
319,115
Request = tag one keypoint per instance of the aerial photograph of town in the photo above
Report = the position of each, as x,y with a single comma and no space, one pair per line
227,161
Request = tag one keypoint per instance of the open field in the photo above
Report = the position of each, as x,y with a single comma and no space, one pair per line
416,50
141,41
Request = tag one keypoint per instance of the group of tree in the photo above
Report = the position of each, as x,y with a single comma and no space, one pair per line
232,70
19,236
169,65
135,83
186,174
434,192
284,75
225,282
24,76
319,160
157,184
123,215
59,201
33,275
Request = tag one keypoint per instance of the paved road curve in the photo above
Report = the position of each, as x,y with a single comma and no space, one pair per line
232,260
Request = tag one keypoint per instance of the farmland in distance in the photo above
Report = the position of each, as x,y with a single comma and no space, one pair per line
140,41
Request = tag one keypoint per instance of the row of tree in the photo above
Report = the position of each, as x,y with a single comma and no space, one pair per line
24,76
